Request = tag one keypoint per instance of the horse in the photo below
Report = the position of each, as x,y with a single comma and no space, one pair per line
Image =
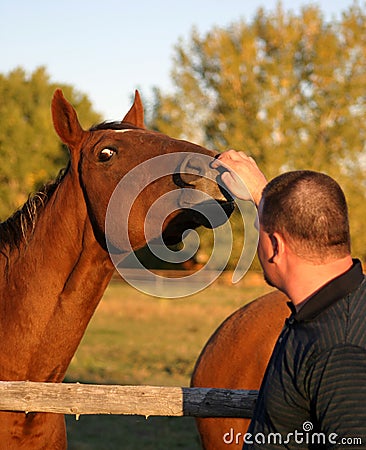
236,357
54,252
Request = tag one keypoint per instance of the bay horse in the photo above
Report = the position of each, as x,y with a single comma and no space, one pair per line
54,258
235,357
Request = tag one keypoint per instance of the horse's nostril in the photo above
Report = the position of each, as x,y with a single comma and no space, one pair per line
196,165
192,169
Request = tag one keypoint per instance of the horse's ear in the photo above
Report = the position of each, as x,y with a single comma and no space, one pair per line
65,120
135,115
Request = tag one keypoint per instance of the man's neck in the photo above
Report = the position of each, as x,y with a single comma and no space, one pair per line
307,278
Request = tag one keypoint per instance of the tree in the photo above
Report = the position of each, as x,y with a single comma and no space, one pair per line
30,151
287,89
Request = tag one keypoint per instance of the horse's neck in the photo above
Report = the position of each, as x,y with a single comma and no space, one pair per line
51,290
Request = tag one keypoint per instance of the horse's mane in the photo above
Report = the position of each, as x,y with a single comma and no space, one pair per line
112,126
22,222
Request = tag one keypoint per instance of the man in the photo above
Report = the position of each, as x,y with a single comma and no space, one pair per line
313,394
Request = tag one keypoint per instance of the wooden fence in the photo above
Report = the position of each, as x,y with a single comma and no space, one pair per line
78,399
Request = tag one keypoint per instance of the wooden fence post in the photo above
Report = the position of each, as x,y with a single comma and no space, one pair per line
78,399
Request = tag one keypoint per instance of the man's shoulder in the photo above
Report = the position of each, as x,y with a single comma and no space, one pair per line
343,323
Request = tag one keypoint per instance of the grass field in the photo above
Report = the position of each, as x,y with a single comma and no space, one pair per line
137,339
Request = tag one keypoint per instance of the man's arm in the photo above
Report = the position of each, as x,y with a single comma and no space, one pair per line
242,175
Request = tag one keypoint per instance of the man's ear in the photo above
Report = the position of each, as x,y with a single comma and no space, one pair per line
277,243
274,244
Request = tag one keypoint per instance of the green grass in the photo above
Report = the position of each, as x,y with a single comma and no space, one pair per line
132,433
137,339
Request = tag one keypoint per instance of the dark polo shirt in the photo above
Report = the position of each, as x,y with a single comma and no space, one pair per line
313,394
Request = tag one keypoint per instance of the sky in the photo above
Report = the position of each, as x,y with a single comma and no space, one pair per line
107,49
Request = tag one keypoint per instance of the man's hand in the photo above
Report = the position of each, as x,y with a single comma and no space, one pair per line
243,177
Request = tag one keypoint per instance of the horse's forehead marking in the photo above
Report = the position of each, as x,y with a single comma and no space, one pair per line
124,131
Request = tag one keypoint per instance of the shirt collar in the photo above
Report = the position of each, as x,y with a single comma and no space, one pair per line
331,292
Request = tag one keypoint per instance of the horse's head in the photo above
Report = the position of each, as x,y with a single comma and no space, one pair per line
156,182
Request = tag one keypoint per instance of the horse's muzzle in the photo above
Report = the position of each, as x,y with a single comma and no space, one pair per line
196,172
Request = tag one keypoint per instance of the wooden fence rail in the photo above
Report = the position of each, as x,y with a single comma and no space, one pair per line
78,399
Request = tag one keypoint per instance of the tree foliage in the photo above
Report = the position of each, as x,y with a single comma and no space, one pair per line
30,152
288,89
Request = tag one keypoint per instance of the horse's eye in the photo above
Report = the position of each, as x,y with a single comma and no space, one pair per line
106,154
